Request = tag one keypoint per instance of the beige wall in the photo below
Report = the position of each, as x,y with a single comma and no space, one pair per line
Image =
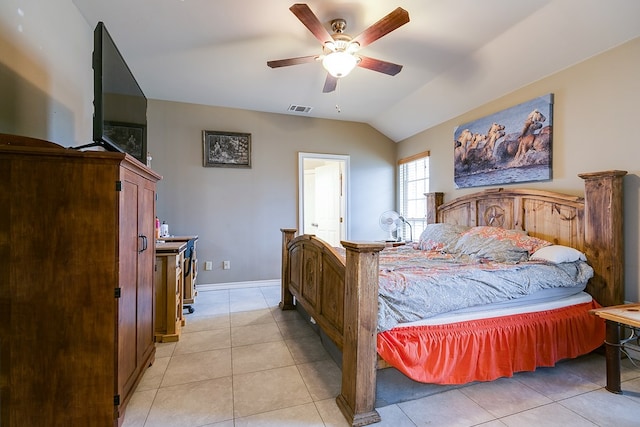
238,213
595,128
46,80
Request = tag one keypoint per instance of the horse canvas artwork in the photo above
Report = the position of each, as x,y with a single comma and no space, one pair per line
513,145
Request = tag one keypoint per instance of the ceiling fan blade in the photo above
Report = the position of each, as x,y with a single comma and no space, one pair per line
380,66
392,21
291,61
330,84
311,21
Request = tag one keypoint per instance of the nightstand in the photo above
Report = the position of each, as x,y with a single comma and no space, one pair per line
615,317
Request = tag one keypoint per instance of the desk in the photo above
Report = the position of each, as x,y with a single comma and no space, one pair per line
616,316
190,269
168,282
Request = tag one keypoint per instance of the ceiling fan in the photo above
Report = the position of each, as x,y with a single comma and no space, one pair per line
339,50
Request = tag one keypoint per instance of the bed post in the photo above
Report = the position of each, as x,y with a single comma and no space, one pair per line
603,234
286,298
359,356
433,201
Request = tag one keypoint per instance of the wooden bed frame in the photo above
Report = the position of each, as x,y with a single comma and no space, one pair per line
341,296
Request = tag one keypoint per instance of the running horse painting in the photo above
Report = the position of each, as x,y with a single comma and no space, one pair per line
513,145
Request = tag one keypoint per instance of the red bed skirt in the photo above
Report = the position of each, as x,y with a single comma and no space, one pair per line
487,349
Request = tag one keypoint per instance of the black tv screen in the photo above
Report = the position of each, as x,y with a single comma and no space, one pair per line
120,106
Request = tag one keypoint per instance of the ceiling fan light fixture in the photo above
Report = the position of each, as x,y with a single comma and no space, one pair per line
339,63
339,50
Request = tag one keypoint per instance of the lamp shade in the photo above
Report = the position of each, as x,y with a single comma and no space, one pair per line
340,63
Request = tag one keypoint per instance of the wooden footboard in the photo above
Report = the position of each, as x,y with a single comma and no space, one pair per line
341,295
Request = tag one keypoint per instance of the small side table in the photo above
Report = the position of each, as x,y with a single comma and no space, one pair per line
615,317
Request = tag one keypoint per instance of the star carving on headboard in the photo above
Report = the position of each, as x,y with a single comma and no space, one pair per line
494,216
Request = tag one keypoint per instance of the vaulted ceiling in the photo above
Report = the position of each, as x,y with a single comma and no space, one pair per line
456,54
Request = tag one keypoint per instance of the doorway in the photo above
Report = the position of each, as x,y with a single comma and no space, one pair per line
323,183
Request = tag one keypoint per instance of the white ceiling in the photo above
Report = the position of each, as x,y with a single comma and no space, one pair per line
457,54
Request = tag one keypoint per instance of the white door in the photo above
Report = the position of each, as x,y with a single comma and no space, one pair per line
310,225
323,183
327,202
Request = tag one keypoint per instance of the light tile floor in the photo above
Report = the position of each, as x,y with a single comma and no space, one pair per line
242,362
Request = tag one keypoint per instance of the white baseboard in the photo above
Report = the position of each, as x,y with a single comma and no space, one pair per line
237,285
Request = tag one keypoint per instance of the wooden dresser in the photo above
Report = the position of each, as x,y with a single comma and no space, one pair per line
76,283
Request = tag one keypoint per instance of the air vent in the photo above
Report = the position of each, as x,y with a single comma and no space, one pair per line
299,108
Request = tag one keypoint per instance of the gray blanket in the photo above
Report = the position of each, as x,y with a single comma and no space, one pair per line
417,284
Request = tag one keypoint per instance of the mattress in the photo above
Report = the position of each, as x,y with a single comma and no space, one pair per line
547,299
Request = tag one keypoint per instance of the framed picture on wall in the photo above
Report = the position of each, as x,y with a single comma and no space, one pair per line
226,149
510,146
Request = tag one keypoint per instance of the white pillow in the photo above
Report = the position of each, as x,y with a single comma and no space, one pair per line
558,254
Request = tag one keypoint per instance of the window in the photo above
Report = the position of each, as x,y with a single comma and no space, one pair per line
413,182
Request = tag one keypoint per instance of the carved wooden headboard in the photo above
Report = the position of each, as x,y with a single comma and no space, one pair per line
591,224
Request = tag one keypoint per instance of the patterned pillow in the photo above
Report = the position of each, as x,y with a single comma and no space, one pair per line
440,237
498,244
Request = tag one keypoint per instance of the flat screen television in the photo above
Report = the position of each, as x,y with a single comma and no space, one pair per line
120,106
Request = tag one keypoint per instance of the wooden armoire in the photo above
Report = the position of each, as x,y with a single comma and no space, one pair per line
77,249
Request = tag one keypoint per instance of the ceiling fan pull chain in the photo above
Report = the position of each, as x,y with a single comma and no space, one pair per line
338,104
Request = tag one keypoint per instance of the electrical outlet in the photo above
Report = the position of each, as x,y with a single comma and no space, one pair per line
226,265
208,265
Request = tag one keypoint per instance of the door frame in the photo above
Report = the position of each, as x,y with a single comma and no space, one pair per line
345,159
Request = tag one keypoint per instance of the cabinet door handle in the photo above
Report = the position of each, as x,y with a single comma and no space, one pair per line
145,243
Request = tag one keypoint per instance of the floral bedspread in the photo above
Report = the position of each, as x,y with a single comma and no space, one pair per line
417,284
